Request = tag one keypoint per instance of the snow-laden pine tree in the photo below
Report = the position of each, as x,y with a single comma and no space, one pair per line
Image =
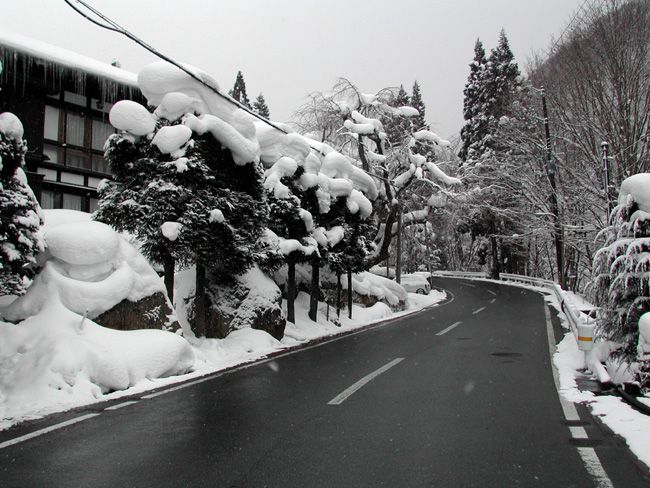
260,107
20,214
289,221
493,206
179,190
474,104
621,270
238,91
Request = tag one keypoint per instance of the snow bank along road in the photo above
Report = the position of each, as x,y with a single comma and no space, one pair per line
457,395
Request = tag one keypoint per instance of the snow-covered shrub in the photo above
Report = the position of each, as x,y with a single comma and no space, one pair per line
20,214
622,267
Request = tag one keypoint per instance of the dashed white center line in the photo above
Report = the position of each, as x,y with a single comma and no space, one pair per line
452,326
120,405
493,300
492,292
478,310
341,397
40,432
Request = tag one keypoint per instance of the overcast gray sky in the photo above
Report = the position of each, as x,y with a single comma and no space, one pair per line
288,48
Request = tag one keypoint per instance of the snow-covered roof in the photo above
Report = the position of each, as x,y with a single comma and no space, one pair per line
57,55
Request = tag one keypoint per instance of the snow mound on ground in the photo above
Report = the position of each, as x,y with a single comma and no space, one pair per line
91,267
370,284
82,243
57,356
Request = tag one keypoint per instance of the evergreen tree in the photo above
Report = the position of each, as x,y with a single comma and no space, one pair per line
195,206
287,221
621,269
20,214
492,86
260,106
503,79
418,122
474,109
398,128
238,91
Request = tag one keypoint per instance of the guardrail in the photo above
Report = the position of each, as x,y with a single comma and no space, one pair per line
460,274
582,328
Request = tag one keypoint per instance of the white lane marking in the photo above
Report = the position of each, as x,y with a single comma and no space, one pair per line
120,405
492,292
179,387
37,433
341,397
478,310
493,300
587,454
467,284
452,326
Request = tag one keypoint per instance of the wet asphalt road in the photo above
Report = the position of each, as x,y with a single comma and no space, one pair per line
472,403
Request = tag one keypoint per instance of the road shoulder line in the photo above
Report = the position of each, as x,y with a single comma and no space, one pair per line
587,454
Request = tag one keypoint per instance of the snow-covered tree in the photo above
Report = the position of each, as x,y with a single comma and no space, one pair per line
289,221
493,206
260,107
188,187
238,91
622,267
397,169
20,214
474,109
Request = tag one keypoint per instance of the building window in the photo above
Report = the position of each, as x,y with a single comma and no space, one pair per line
75,134
59,199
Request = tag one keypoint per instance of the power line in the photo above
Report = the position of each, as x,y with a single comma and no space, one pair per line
115,27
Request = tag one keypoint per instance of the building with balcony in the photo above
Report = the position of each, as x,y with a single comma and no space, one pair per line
63,100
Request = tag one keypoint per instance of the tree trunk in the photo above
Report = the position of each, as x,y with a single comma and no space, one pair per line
168,267
495,258
338,294
315,288
200,318
349,292
291,291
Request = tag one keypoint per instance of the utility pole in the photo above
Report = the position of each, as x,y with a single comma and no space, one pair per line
608,194
550,172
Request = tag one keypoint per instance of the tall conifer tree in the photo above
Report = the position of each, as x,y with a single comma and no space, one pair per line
260,106
238,91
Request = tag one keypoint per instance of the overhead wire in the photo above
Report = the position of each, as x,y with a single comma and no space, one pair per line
115,27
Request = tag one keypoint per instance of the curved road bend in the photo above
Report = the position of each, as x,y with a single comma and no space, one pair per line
460,395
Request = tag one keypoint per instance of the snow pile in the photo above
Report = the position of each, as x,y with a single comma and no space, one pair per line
372,285
57,356
91,267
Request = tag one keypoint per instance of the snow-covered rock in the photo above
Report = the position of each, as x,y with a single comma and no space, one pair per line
92,269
